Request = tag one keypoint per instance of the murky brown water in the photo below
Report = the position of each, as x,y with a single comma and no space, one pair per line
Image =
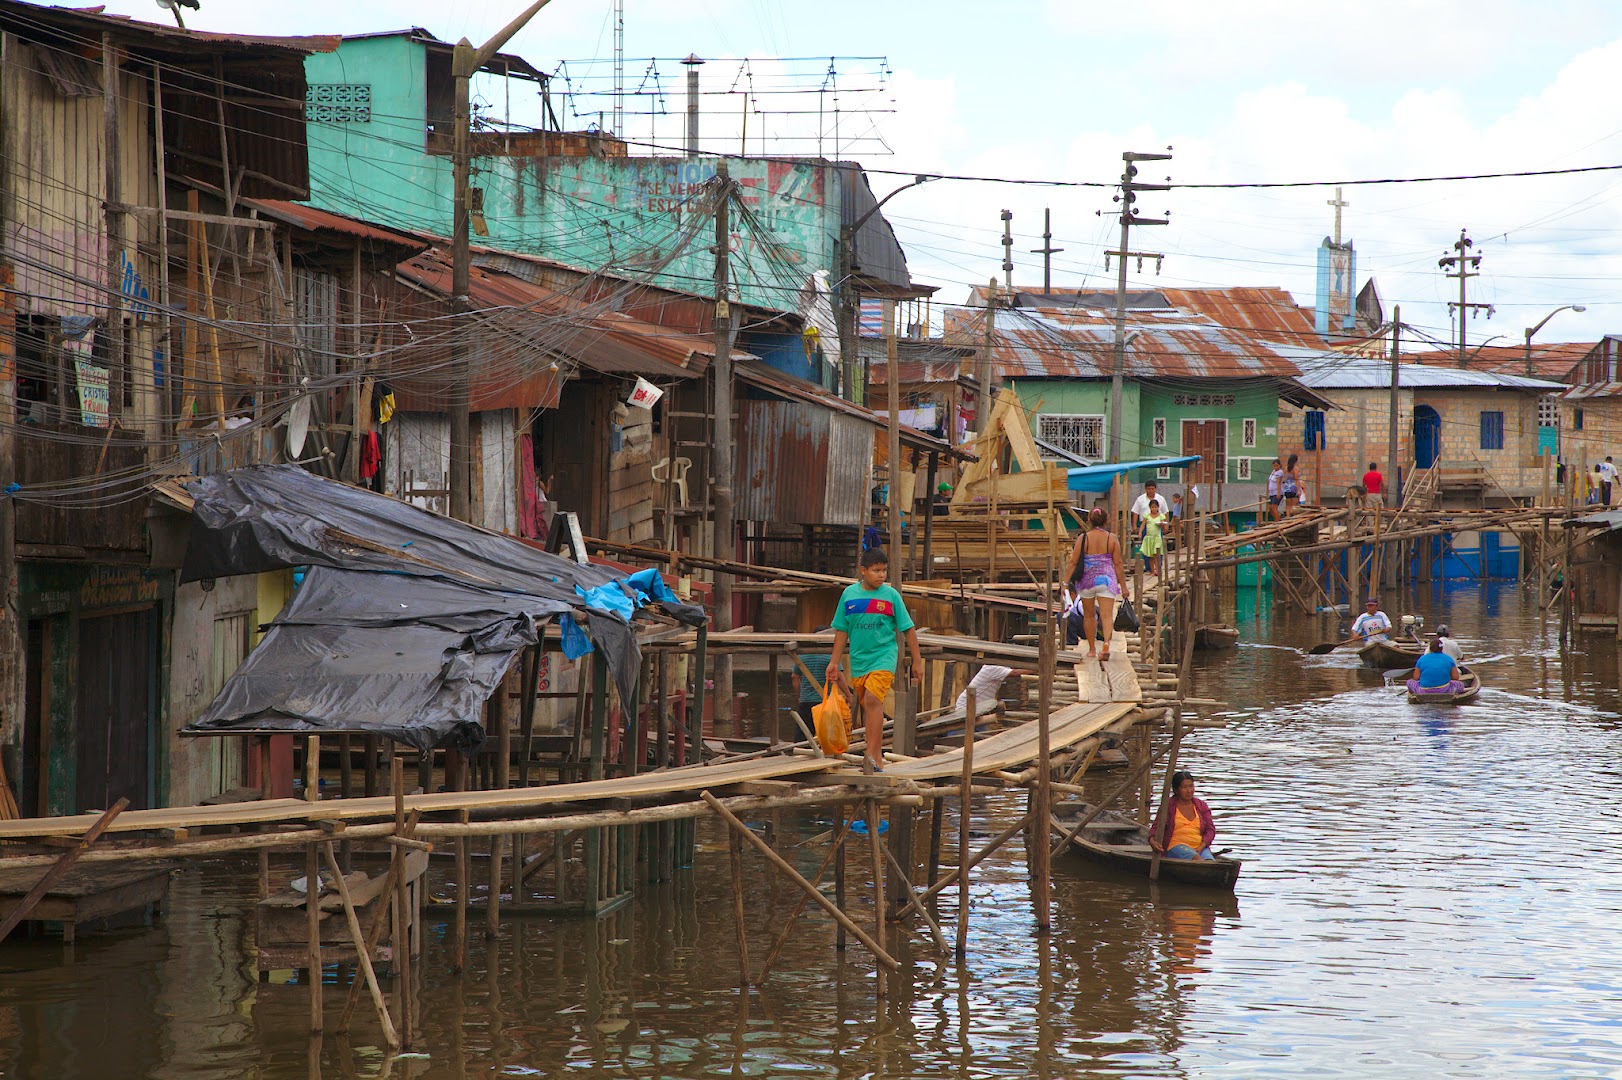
1425,894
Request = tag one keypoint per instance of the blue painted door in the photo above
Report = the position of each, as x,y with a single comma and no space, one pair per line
1427,436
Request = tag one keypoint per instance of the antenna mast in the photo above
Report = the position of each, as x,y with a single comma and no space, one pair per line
619,68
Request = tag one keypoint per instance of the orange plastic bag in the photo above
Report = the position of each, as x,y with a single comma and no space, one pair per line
832,720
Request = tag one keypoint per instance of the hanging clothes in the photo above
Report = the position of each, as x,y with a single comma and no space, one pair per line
371,455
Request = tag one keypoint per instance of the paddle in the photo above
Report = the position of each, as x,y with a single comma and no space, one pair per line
1326,647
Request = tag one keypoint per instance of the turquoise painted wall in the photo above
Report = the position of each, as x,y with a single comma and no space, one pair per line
620,213
1258,402
1081,397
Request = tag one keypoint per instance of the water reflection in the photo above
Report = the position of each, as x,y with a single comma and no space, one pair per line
1422,897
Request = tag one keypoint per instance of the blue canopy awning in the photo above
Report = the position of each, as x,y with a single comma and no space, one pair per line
1098,478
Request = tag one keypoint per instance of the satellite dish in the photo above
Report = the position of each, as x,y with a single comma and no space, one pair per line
298,426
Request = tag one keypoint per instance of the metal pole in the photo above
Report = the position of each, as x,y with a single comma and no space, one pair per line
1117,385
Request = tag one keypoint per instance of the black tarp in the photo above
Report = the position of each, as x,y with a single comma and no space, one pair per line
404,624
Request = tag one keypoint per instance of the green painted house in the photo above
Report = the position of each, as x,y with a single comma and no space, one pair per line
1205,371
379,116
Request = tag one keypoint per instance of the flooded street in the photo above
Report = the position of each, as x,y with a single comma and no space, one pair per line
1425,894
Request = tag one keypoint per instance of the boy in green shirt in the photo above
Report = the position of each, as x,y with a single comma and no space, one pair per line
870,618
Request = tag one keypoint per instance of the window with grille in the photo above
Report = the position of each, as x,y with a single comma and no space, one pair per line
1079,435
1202,399
1548,412
1164,472
1492,430
1247,433
1313,436
1242,467
1157,431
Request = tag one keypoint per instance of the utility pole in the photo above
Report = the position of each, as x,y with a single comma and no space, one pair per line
1466,263
723,523
1008,251
1047,251
465,62
893,376
1130,186
849,263
1391,426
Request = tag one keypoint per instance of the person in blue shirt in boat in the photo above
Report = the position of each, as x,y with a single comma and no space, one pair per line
1436,673
1372,625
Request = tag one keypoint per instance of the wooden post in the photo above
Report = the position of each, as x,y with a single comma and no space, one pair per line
963,827
456,765
886,961
903,818
735,848
837,846
500,716
312,928
839,880
1041,893
880,911
362,949
60,868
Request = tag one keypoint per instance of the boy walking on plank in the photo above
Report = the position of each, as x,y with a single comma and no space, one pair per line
870,619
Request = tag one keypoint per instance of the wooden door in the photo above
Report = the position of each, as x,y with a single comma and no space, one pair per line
1208,439
113,727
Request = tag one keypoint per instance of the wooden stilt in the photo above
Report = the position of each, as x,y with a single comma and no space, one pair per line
963,863
960,873
736,850
500,714
312,925
799,905
884,958
912,903
839,881
362,950
1041,893
874,843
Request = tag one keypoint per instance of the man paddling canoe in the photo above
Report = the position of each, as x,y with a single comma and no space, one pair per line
1372,625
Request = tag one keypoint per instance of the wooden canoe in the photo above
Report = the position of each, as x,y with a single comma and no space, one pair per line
1216,637
1387,655
1472,687
1116,840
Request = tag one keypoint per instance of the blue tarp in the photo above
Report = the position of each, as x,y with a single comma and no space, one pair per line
1098,478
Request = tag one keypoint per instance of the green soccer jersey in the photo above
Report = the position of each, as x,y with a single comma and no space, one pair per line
872,618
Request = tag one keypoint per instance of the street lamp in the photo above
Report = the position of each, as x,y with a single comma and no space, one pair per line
1530,330
847,291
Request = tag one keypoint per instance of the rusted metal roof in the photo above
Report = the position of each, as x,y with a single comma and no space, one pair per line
1589,391
562,325
1554,360
1162,343
802,464
126,28
768,378
1265,312
313,220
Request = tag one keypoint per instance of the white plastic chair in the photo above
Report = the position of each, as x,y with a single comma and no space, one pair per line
661,475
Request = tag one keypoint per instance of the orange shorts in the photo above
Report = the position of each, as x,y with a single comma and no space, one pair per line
875,683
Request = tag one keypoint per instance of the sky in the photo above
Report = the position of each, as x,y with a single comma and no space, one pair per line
1242,91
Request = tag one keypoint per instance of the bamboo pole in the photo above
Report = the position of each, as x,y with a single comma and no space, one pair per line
839,881
363,952
1042,895
884,958
400,932
914,904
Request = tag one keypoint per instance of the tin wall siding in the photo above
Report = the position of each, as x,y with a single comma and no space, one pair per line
783,461
850,476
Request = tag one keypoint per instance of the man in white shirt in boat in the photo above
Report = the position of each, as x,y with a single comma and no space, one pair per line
1450,644
1372,625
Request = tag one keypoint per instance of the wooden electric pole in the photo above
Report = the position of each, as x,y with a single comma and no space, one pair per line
465,62
1130,186
721,495
982,366
1391,423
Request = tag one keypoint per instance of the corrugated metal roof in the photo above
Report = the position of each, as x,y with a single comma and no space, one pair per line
1338,371
161,33
1554,360
1605,519
1593,390
774,381
802,464
1264,313
308,217
878,254
1164,343
604,341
